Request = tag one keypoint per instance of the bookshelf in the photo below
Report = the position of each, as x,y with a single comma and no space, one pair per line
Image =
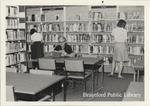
87,28
15,40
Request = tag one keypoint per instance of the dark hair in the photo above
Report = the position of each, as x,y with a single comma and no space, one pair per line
121,23
32,31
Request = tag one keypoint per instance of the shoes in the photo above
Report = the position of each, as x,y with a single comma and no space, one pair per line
110,75
120,77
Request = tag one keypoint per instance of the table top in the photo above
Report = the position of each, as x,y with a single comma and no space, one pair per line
31,83
87,60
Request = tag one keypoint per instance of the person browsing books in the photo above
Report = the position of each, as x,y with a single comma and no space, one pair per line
63,47
120,55
37,46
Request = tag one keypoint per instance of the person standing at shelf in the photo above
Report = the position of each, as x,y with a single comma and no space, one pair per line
63,47
37,46
120,55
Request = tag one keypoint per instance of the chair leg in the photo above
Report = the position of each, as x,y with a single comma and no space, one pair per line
138,75
84,85
134,76
97,77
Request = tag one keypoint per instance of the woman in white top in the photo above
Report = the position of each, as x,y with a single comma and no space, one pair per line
36,47
120,54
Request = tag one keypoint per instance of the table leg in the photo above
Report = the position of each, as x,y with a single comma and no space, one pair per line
102,77
138,75
93,81
64,90
53,94
97,76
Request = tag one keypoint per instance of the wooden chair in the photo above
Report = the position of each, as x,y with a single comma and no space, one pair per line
75,71
138,66
47,64
10,93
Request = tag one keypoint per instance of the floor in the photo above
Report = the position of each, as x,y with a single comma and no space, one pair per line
113,90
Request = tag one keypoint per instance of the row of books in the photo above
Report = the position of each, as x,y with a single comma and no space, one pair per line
52,27
50,37
83,38
97,49
131,15
136,26
48,48
103,27
43,17
12,23
103,13
46,27
101,38
76,27
15,35
136,50
11,11
14,47
15,58
33,18
136,38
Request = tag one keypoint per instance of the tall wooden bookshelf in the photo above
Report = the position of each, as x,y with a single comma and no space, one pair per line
87,28
15,40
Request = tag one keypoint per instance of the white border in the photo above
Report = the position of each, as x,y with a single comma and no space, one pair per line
74,2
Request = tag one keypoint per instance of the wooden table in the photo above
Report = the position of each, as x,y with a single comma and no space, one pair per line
29,86
88,61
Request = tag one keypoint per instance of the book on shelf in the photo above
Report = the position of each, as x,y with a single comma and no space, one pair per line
131,15
12,23
51,37
135,26
82,38
15,58
15,35
101,38
77,27
103,26
136,50
49,27
15,47
48,48
11,11
103,12
136,38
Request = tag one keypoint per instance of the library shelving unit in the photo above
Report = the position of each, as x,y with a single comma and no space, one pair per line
87,28
15,41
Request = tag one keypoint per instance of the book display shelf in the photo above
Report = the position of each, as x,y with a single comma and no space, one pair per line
86,28
15,39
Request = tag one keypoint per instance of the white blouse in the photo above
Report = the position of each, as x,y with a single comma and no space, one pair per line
120,34
36,37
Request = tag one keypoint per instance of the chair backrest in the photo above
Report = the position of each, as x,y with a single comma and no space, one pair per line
47,64
41,72
74,65
10,93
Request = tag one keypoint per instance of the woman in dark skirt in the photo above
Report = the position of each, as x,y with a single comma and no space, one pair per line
36,47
